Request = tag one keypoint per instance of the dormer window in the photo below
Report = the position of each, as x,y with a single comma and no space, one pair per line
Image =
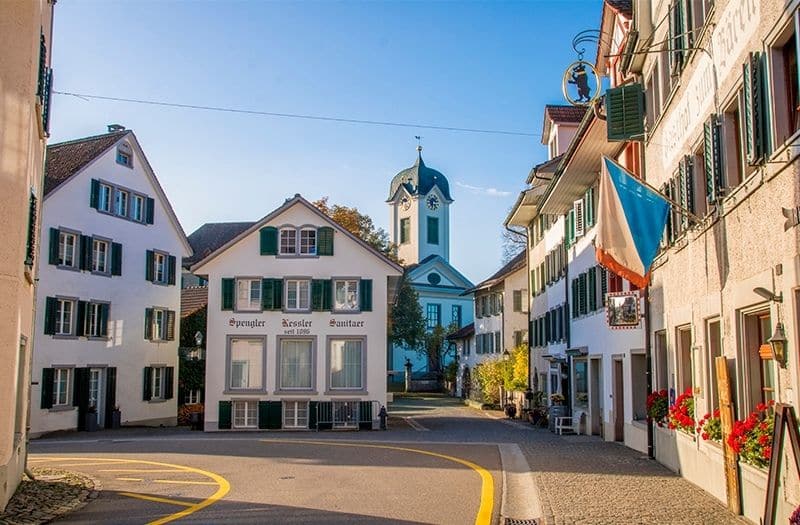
288,244
125,155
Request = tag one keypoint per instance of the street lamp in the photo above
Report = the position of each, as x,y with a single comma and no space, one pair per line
198,340
506,355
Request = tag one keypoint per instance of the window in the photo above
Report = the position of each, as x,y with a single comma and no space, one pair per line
683,340
296,364
581,383
433,315
297,294
64,311
405,231
308,241
714,349
121,203
760,376
433,230
67,249
245,414
246,363
288,241
100,251
96,318
124,155
295,414
455,315
137,208
653,98
346,295
61,383
783,57
248,296
661,372
157,383
104,198
346,364
192,396
158,324
159,268
517,296
638,386
519,337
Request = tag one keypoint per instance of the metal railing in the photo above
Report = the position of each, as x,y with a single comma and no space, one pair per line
347,415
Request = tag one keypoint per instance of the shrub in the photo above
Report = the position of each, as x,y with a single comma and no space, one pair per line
185,413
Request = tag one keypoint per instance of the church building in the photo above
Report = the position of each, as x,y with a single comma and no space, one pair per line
419,207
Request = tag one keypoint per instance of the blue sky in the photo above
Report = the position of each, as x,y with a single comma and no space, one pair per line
477,65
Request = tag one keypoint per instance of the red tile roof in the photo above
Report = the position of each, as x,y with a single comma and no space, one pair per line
193,298
564,113
624,7
65,159
462,333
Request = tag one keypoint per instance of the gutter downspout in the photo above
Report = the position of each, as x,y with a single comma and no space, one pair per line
648,352
528,391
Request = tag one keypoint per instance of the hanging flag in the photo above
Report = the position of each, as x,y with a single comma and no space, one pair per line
630,222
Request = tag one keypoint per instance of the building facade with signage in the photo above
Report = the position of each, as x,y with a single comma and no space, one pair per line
26,39
297,325
107,327
722,127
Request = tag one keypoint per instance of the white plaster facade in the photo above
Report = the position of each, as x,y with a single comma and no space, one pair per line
323,327
123,348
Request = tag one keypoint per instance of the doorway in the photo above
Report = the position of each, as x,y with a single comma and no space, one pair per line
619,406
596,396
97,394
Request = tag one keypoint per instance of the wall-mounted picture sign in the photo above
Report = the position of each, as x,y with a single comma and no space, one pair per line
622,309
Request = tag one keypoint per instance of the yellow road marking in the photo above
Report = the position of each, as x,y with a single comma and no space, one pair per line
223,487
130,479
157,500
484,516
137,470
179,482
81,464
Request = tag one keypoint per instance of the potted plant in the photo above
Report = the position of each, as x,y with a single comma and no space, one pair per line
681,414
90,419
710,427
557,399
657,407
116,417
751,438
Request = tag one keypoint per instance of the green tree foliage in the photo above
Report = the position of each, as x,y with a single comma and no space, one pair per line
407,324
435,347
360,225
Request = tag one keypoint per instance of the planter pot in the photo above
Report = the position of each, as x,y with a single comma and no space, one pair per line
553,412
116,419
90,422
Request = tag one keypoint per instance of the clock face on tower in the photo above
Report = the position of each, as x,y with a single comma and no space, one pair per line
432,202
405,203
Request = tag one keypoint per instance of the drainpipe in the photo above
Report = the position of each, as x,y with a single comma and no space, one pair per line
568,313
648,352
528,391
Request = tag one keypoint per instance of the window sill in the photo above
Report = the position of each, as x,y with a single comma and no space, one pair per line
295,392
64,336
68,267
62,408
296,256
344,392
157,400
345,312
103,338
306,311
101,274
251,392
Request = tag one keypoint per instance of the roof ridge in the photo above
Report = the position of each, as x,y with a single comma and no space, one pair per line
87,139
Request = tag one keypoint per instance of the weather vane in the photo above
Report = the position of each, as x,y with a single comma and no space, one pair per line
419,142
580,75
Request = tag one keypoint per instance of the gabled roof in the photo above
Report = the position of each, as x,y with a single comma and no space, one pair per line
66,159
297,199
462,333
437,262
560,114
211,236
193,299
519,261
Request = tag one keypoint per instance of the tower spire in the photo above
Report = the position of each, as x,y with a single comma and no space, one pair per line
419,144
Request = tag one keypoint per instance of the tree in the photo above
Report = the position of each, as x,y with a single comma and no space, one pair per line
407,324
514,241
435,348
360,225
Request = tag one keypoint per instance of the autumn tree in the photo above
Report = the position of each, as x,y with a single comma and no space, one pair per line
360,225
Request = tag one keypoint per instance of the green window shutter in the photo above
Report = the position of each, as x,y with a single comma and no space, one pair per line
42,66
263,415
548,333
148,265
104,313
603,285
713,158
150,210
148,324
169,381
625,113
267,293
268,236
533,283
275,415
677,42
365,415
592,289
688,176
574,298
48,376
365,295
325,241
54,238
80,319
50,304
312,414
224,416
582,294
48,94
570,225
170,325
317,293
228,286
116,258
94,194
755,105
171,269
327,295
433,230
147,392
277,294
111,393
86,252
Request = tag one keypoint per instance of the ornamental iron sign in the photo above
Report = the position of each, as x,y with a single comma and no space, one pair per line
581,83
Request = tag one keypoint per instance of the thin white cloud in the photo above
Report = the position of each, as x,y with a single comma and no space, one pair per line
491,192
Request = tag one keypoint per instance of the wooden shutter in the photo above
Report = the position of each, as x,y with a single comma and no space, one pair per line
570,227
603,285
48,94
50,305
150,207
325,241
548,333
327,295
755,105
577,206
267,294
365,295
277,294
268,240
625,113
170,318
54,238
582,293
111,394
687,173
86,246
48,376
148,324
533,285
713,158
228,293
116,258
40,86
574,298
592,289
169,380
275,413
80,319
147,391
263,415
317,292
103,319
312,414
80,392
94,194
149,263
224,416
588,208
171,268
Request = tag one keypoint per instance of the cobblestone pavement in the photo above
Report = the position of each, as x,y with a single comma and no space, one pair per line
54,493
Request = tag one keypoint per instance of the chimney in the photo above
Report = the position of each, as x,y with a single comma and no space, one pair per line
113,128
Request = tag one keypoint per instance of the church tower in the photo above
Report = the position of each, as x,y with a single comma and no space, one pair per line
419,207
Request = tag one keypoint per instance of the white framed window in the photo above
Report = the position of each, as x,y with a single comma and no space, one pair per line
296,362
137,208
248,294
308,241
245,414
104,198
93,320
192,396
64,316
288,241
124,156
159,324
157,383
159,267
100,251
246,363
61,383
298,294
67,249
345,293
121,203
295,414
346,364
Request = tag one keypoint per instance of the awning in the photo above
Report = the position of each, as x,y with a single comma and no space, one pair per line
524,210
581,166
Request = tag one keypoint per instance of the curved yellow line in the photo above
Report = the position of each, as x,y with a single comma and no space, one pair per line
484,516
223,486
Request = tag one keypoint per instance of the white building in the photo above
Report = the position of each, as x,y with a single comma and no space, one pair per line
106,306
297,324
